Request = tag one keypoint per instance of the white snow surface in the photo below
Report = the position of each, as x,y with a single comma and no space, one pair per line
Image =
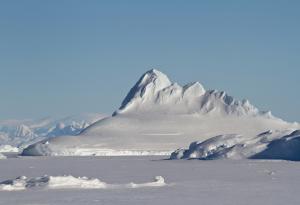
268,145
226,182
70,182
158,116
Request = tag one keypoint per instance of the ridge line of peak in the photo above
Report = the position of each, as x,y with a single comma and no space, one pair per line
155,92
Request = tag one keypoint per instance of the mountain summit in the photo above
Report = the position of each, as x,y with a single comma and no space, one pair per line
147,86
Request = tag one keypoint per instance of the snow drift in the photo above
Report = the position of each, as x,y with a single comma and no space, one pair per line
8,148
158,116
70,182
2,156
268,145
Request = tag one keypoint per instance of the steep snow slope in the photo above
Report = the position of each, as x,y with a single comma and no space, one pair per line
158,116
23,132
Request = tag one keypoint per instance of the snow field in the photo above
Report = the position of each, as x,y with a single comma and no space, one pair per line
226,182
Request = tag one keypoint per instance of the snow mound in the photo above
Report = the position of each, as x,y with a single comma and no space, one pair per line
2,156
159,181
267,145
70,182
8,148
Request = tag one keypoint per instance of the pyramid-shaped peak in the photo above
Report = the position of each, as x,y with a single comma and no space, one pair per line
150,83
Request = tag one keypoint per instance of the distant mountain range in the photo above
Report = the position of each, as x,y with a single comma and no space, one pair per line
21,133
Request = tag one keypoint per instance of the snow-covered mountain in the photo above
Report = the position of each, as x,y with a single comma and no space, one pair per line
21,133
158,116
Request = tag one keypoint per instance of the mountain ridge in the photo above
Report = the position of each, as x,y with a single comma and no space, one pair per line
154,89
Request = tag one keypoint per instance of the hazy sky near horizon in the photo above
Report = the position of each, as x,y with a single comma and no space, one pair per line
67,57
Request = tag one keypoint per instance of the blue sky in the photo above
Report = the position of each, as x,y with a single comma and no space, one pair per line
66,57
